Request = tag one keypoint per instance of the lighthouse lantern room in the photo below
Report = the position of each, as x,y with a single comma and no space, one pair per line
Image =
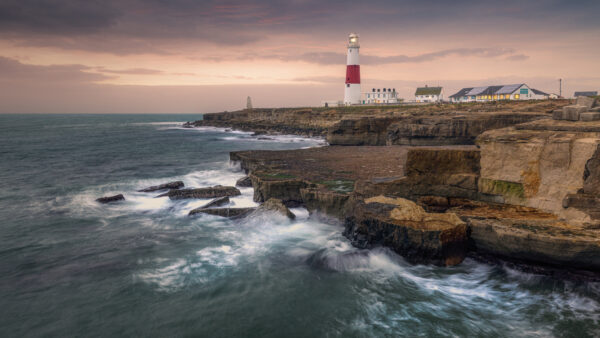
352,89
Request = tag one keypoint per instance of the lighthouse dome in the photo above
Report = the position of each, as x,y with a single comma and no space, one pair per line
353,40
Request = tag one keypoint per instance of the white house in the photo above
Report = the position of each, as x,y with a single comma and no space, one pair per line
495,93
380,96
429,94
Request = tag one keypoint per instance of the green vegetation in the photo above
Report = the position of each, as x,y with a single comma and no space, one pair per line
499,187
341,186
276,175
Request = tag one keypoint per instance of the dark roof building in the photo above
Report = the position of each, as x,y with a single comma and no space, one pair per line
538,92
595,93
428,91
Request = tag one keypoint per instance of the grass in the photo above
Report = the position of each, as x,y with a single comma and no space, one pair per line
341,186
505,188
280,176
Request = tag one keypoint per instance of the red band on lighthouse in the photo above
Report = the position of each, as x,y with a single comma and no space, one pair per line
353,74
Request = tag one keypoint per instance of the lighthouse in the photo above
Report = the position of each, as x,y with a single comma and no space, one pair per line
352,89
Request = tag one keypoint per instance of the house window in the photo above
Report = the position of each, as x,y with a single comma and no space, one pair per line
517,96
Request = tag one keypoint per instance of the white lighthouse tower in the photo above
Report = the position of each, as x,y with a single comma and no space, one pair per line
352,90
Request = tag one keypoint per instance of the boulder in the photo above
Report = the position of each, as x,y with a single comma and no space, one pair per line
557,114
223,212
245,181
109,199
595,110
589,116
217,202
571,113
211,192
274,204
407,229
164,186
585,101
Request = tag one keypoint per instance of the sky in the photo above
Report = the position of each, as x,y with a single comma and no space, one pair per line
185,56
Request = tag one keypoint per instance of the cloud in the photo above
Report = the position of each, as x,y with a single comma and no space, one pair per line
517,57
332,58
131,71
57,17
13,71
159,27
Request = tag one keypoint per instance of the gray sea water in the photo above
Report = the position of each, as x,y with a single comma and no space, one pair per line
72,267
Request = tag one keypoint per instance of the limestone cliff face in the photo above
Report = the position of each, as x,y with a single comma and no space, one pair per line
452,129
360,131
443,171
537,168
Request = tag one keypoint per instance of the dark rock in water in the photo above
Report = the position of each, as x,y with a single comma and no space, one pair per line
217,202
109,199
274,204
224,212
264,138
211,192
244,182
170,185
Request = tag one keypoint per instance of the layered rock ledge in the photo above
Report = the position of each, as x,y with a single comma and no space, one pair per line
508,195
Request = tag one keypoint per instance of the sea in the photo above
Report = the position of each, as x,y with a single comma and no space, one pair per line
71,267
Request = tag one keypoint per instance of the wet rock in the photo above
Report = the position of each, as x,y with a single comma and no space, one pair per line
170,185
406,228
538,241
110,199
211,192
282,187
274,204
244,182
224,212
217,202
328,202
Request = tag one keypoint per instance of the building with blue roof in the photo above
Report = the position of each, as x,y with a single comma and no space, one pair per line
519,91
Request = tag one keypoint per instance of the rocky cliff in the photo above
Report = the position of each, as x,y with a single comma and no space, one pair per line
392,125
499,211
